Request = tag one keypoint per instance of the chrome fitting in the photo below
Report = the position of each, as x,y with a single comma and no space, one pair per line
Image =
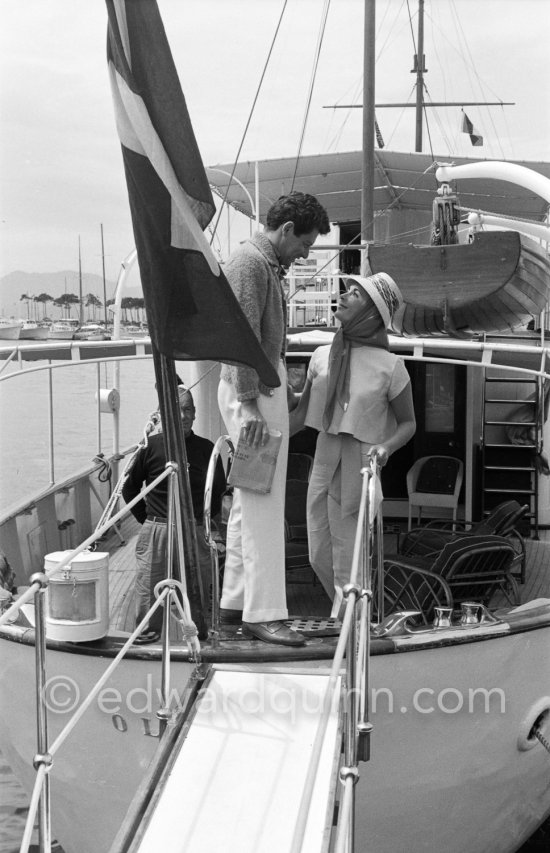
40,578
442,618
396,624
42,758
346,772
351,589
471,613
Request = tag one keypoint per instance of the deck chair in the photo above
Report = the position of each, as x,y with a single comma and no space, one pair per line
434,481
296,544
501,521
469,568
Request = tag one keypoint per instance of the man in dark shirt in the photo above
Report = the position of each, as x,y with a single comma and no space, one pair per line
152,511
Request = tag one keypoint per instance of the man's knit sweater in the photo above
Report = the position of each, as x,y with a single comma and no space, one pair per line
253,271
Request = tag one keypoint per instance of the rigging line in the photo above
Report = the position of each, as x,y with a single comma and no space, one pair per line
399,118
437,120
249,120
311,85
461,48
383,45
411,26
337,134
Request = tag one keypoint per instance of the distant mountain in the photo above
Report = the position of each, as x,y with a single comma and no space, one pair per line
15,284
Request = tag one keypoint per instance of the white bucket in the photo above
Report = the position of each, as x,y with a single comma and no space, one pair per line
77,597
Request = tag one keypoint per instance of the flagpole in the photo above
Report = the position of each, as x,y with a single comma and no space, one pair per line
174,448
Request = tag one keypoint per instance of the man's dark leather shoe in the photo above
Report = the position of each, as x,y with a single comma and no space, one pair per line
230,617
273,632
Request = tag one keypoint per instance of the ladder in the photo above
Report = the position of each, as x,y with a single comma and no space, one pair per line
512,436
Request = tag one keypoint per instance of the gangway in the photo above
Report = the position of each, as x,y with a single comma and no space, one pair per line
235,776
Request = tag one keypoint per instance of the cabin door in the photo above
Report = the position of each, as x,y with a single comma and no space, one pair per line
440,408
439,393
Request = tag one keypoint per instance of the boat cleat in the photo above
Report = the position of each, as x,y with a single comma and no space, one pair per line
442,617
474,613
396,624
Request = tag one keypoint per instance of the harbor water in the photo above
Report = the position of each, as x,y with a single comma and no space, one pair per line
24,421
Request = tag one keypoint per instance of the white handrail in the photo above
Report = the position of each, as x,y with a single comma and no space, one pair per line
499,171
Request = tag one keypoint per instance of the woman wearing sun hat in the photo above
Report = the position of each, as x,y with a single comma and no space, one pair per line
358,395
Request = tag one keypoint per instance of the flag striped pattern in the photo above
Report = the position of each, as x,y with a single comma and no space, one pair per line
467,127
191,309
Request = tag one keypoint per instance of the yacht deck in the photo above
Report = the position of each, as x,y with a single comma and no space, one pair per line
304,594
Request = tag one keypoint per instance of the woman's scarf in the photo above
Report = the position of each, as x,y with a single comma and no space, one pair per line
364,330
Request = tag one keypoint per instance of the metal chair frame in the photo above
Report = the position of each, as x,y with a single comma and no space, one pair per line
470,568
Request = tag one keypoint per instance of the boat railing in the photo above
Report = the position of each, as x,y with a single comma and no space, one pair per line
221,442
354,644
73,355
169,593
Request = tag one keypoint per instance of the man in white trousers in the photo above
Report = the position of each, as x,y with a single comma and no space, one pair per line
254,578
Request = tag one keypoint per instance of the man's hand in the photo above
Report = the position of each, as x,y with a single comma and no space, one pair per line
254,424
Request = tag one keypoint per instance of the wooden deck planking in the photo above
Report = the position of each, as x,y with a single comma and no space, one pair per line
305,598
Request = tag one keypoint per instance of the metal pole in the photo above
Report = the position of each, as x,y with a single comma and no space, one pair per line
257,193
98,398
50,425
165,677
42,757
104,281
80,306
380,564
350,750
367,196
420,70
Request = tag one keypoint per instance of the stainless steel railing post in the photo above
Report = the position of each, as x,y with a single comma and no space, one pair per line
207,514
42,756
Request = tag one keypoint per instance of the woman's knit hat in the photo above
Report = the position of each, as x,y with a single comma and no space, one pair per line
383,291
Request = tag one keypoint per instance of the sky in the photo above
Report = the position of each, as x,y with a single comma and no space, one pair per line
60,163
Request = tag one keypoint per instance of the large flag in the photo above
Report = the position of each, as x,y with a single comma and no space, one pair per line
191,309
467,127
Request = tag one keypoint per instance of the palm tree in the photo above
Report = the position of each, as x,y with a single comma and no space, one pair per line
43,298
126,304
140,305
65,301
93,301
26,298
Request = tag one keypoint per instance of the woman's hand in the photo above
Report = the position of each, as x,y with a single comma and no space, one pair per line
380,453
254,425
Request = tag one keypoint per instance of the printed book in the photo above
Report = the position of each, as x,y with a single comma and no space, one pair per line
253,468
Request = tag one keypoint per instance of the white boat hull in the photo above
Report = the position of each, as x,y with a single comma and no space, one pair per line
34,333
10,332
60,334
446,771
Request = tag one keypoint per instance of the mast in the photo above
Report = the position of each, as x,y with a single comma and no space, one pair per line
367,196
420,71
104,282
80,308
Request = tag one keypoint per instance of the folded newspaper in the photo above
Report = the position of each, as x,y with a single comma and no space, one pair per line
253,467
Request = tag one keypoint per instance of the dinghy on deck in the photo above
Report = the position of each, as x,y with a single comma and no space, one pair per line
496,283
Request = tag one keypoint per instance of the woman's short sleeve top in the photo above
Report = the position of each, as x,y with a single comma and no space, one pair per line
376,378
